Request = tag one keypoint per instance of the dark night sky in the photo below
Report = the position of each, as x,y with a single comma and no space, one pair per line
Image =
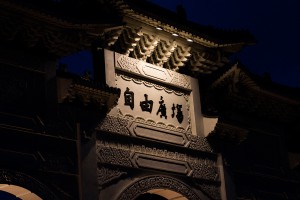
275,24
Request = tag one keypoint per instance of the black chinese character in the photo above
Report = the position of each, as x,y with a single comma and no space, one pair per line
129,98
179,114
162,108
147,104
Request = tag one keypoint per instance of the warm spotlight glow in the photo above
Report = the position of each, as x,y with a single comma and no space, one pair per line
175,34
189,40
159,28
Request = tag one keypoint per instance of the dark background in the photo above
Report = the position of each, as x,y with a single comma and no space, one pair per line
275,25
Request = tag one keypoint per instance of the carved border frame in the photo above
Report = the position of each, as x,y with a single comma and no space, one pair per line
28,182
155,182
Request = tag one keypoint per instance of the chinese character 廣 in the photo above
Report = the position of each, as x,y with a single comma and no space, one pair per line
162,108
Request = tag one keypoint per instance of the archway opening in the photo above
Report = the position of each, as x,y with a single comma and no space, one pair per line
14,192
161,194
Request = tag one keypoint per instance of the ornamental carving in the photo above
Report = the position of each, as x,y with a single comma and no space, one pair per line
142,68
204,171
141,156
180,80
107,175
114,156
114,125
199,143
123,125
128,64
150,84
26,181
152,182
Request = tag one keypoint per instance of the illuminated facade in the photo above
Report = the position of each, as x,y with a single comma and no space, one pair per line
166,114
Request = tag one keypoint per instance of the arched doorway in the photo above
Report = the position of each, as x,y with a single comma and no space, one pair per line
159,187
161,194
14,192
20,184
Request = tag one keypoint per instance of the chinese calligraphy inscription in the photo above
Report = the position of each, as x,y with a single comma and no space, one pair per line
162,108
129,98
179,114
147,104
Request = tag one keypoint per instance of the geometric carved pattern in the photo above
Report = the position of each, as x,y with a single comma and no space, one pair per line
123,125
199,143
145,157
114,125
141,68
153,182
28,182
114,156
106,175
157,133
204,171
162,164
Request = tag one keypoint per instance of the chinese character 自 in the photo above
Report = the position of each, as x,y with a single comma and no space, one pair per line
129,98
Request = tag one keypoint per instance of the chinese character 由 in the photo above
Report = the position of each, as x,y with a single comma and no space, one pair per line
147,104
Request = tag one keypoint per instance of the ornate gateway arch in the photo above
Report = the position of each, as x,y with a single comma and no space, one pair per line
148,183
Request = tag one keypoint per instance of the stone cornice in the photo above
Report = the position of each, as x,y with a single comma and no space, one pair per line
126,10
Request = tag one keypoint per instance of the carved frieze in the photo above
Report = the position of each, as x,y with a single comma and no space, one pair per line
162,164
139,127
157,133
107,175
152,72
114,156
146,157
199,143
147,183
114,125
